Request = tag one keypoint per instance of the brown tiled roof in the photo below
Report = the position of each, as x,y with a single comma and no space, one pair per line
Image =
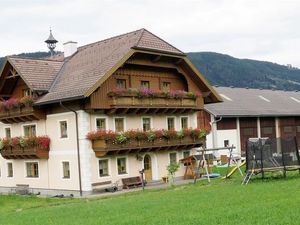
37,73
91,62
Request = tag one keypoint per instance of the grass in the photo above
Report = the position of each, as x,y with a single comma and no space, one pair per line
271,201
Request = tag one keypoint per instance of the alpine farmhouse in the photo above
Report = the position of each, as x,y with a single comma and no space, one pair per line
98,113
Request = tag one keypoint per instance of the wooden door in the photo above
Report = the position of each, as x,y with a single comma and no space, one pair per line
148,167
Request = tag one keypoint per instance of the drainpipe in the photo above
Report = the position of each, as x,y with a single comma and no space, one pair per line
214,130
77,143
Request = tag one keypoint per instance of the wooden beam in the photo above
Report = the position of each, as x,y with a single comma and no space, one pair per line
157,58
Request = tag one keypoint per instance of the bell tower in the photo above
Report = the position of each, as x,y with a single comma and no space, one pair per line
51,43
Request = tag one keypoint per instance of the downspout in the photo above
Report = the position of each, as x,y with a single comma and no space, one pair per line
214,130
77,143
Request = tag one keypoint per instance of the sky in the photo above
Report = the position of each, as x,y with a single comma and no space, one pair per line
257,29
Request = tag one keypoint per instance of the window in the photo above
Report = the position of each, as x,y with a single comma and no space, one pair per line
267,130
101,123
121,83
119,124
29,130
145,84
166,86
7,132
10,171
248,131
226,143
27,92
186,154
184,122
173,158
287,129
146,124
66,170
121,162
32,169
63,129
171,123
103,168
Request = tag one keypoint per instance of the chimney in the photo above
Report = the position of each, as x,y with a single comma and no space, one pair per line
70,48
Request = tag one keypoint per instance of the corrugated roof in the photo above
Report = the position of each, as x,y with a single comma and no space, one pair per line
37,73
255,102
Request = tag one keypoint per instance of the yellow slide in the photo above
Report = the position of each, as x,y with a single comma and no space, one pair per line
234,170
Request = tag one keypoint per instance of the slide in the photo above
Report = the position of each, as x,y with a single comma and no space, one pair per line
234,170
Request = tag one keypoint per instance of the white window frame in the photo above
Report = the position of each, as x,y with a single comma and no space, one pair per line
28,124
175,127
127,167
188,121
186,151
109,168
4,128
119,117
62,170
25,169
106,121
12,165
151,121
59,131
177,159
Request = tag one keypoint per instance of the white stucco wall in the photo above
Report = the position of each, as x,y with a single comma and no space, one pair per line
64,149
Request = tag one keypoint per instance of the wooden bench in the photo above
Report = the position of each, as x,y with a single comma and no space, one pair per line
131,182
107,186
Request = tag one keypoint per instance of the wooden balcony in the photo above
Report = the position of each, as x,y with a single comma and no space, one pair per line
131,103
21,114
102,147
25,153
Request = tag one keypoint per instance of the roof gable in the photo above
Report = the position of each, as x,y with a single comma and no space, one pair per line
38,74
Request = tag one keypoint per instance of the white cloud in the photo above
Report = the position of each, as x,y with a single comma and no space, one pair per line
265,30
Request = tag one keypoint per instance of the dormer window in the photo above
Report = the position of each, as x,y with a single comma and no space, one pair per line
27,92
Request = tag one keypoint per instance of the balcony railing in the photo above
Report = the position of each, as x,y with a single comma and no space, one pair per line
25,148
135,102
14,111
25,153
106,147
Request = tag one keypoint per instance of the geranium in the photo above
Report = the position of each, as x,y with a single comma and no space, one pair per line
169,134
43,142
130,134
141,135
14,142
26,100
101,135
145,93
159,134
11,103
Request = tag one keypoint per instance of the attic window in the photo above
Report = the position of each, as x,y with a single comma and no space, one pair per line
263,98
295,99
226,97
27,92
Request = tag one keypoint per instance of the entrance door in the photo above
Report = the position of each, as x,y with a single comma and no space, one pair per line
148,167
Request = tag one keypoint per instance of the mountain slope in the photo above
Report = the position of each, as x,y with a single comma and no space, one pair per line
225,70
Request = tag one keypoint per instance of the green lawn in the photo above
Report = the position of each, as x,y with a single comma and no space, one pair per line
271,201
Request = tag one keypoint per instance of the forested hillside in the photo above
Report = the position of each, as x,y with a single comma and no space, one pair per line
224,70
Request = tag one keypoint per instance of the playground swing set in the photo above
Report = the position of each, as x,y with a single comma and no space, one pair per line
262,155
199,165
